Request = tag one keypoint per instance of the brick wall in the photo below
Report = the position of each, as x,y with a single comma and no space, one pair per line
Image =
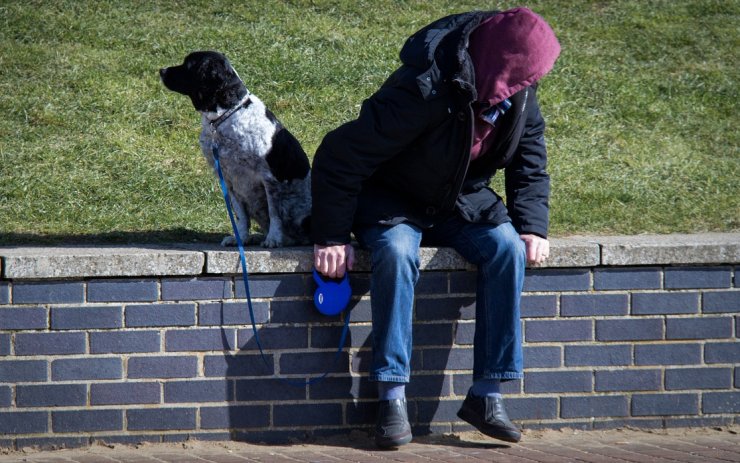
130,344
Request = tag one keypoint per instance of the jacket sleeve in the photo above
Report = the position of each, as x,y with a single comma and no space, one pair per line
388,122
527,181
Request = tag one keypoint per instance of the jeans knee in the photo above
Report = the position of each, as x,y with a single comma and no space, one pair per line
399,252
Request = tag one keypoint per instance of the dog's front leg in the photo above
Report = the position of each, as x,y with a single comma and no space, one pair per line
243,224
274,237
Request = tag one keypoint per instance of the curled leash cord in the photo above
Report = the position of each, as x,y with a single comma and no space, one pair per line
245,277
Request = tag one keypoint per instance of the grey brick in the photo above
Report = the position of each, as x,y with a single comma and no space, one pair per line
558,330
77,318
430,411
668,354
721,301
161,419
295,312
583,305
124,393
87,421
48,293
627,278
594,406
426,334
239,365
162,367
558,381
23,422
720,402
698,277
539,306
289,285
313,363
4,293
23,318
195,289
557,280
530,408
6,396
199,391
463,282
698,378
627,380
122,291
541,357
23,371
664,404
124,342
664,303
597,355
722,352
49,343
307,415
328,337
235,417
629,330
447,308
146,315
232,313
55,395
447,359
267,390
432,283
699,328
343,387
283,337
464,333
432,386
4,344
200,340
87,368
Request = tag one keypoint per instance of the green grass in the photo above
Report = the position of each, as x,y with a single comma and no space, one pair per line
641,108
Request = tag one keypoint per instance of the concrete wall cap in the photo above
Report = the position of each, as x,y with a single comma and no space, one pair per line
46,262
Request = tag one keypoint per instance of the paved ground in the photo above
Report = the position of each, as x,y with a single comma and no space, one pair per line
619,446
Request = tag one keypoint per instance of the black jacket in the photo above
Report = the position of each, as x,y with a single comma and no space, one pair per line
407,155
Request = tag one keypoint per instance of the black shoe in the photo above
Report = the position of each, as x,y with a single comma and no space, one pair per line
487,414
393,428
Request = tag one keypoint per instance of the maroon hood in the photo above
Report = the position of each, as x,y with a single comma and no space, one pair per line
511,51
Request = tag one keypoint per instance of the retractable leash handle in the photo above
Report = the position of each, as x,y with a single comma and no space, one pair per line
330,298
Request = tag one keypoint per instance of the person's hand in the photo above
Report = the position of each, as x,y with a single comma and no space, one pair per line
333,261
538,249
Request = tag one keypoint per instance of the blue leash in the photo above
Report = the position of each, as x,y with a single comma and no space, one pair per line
245,277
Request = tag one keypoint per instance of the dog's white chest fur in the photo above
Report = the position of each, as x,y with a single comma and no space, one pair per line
244,141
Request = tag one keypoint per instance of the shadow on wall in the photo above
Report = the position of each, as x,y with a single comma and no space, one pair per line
169,236
301,344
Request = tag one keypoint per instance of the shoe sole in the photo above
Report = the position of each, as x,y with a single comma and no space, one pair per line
478,424
391,442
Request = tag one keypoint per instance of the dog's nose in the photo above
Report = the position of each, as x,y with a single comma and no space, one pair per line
162,72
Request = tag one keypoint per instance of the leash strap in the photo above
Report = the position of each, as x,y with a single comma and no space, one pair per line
245,277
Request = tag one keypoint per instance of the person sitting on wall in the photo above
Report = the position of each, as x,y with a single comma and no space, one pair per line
414,168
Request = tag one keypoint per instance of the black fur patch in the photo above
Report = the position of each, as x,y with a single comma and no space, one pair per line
286,159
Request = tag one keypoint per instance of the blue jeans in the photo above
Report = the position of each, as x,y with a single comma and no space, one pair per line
499,255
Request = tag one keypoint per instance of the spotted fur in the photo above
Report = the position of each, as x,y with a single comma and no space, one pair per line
265,168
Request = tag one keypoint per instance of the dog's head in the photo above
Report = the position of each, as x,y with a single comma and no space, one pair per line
208,79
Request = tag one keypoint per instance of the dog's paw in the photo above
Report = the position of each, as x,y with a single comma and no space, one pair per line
228,241
272,243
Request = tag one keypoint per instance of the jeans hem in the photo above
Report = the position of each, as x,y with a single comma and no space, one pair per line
503,377
389,378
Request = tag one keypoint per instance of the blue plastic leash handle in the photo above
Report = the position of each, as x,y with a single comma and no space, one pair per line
334,300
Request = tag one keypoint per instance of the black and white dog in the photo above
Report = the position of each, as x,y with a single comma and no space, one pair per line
265,168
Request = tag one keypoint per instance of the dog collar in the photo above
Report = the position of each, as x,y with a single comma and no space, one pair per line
246,101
